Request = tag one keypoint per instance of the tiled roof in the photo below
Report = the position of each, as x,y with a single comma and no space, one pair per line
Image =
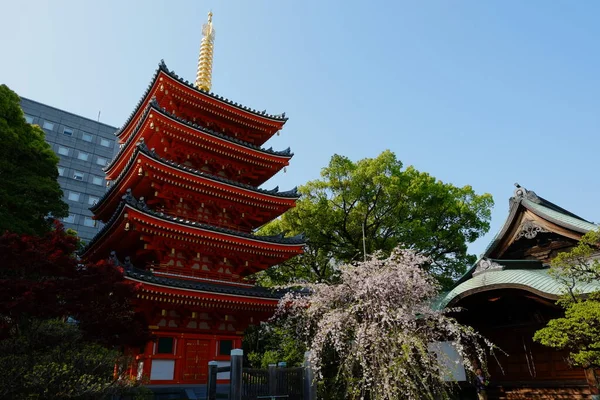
142,148
543,208
140,205
255,291
560,218
537,280
280,117
153,105
163,67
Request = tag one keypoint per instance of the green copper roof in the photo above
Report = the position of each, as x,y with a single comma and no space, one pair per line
533,280
559,217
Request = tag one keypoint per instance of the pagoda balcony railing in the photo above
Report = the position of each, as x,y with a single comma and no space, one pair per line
174,271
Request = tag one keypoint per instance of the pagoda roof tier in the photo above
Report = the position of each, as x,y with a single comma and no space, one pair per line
263,124
144,161
203,290
264,162
151,223
167,294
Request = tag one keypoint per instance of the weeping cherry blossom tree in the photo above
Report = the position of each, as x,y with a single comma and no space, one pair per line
376,327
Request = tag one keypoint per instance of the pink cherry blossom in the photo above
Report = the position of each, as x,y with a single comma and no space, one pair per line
380,320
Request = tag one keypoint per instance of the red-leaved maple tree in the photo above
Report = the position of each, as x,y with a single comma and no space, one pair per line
42,278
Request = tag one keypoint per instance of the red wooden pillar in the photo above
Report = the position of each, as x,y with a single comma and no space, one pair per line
147,359
179,360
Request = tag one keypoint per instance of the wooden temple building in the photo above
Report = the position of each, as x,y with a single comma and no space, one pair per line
508,295
180,215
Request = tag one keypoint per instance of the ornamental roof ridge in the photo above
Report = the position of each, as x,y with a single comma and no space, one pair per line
153,104
163,67
140,205
521,194
256,291
141,147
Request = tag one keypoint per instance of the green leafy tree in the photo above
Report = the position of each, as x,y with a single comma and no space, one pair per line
272,343
50,359
29,191
387,205
579,330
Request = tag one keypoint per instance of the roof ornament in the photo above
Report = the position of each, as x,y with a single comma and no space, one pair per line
127,264
205,60
522,193
112,258
142,204
487,265
128,197
529,230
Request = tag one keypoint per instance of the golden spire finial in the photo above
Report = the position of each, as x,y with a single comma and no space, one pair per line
205,60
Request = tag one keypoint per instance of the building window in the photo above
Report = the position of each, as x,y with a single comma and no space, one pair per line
68,131
101,161
165,345
225,347
70,219
63,151
74,196
92,200
61,171
104,142
83,156
48,125
78,176
96,180
86,136
88,221
29,119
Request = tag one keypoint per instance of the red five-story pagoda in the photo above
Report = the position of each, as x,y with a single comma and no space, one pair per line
180,214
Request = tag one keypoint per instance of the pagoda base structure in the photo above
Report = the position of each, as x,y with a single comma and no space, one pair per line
194,323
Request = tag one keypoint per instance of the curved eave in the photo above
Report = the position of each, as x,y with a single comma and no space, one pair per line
275,121
220,234
172,225
533,281
243,149
129,173
196,290
514,207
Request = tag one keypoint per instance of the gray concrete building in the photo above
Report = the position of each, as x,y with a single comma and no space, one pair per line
84,146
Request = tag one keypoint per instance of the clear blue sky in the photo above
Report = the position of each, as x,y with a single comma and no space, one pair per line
485,93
